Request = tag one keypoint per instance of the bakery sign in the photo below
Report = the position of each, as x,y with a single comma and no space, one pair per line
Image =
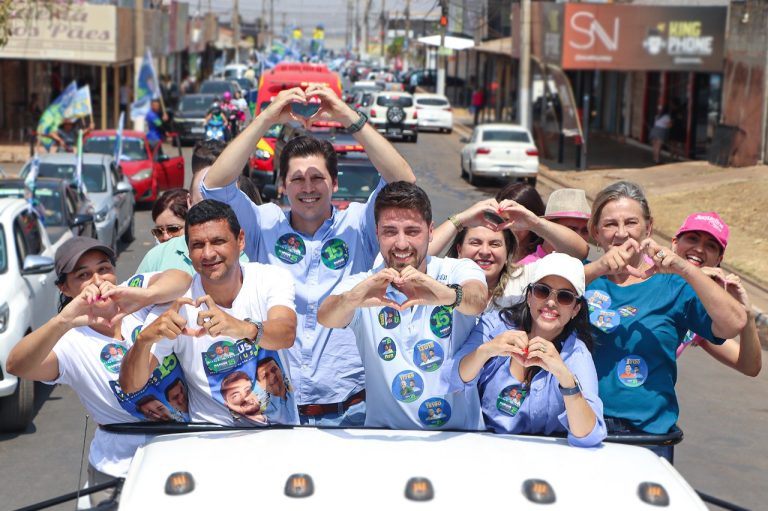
637,37
79,33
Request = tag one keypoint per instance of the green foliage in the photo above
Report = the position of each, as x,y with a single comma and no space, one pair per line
28,11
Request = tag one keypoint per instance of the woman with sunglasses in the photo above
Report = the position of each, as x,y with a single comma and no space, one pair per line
642,300
531,362
84,344
169,214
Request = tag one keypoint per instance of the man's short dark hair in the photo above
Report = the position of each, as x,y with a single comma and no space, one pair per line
145,400
210,210
169,387
205,153
232,378
403,195
265,361
303,146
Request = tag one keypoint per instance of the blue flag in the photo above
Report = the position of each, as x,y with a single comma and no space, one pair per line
54,114
147,87
118,153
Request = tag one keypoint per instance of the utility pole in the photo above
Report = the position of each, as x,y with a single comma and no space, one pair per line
407,38
524,90
271,23
367,26
441,60
356,37
236,29
383,28
138,55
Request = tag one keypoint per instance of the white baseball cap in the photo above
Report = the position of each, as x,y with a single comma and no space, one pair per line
562,265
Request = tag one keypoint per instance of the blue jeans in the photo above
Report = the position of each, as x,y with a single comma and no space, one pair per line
353,417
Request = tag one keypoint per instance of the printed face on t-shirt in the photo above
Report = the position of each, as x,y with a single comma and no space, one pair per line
237,391
403,238
177,396
215,250
270,377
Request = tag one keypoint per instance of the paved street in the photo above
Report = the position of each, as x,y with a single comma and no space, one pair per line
724,414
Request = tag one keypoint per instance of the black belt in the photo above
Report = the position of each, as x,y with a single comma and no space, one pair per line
314,410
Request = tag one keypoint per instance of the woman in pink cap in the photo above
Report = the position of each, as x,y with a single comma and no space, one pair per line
702,240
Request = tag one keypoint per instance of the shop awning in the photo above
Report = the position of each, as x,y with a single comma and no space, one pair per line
452,42
501,46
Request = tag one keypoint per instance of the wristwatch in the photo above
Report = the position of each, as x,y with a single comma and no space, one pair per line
259,331
358,124
459,294
573,390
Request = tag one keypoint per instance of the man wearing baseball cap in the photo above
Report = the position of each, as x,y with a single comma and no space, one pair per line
702,240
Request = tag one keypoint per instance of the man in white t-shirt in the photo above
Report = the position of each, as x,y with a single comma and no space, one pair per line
419,307
233,316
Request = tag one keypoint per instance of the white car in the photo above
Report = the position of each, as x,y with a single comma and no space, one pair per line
108,189
28,298
303,468
500,151
393,114
434,111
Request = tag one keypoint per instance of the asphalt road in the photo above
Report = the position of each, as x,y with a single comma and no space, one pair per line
724,414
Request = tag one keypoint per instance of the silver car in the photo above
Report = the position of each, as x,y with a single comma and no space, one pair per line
107,188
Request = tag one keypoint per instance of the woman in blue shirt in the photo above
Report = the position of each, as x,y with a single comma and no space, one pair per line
531,361
642,301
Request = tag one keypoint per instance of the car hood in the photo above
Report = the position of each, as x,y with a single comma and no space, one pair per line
192,114
132,167
100,200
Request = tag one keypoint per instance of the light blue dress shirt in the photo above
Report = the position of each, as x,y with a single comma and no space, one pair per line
324,362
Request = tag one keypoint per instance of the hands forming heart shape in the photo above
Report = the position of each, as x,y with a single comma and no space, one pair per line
418,288
306,110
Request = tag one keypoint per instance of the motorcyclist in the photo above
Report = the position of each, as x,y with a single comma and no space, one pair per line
216,117
232,112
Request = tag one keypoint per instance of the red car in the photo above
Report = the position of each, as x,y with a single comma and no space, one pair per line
262,161
150,172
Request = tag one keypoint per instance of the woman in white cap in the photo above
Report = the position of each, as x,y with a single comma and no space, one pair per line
84,344
642,300
531,362
702,240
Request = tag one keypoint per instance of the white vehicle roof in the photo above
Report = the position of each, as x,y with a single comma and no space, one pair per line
419,95
88,158
368,468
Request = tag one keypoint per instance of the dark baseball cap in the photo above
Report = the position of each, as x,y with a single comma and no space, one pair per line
69,252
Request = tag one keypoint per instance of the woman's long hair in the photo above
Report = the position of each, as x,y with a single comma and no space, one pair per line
518,316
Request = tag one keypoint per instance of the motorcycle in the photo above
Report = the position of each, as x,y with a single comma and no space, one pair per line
214,130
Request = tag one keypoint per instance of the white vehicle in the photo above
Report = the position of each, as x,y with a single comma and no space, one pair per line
234,71
108,189
28,298
302,468
434,111
393,114
500,151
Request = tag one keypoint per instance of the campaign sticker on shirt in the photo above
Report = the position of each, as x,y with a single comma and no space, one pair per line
407,386
220,356
632,371
387,349
135,333
428,355
434,412
335,254
441,321
136,281
627,311
389,318
597,299
511,399
111,356
605,319
290,248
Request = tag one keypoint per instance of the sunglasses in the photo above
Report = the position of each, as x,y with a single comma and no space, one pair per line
563,296
172,230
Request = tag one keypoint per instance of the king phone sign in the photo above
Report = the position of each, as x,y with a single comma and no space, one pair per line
635,37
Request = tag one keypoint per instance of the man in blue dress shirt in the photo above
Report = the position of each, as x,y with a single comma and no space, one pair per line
317,243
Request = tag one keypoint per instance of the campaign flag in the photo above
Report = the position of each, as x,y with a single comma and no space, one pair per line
147,87
30,183
79,163
118,153
80,106
54,114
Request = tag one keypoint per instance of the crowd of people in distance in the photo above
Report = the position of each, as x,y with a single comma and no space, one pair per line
244,314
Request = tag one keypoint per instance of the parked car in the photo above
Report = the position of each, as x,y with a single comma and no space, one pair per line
28,298
434,111
107,189
190,117
393,114
357,178
500,151
150,170
65,211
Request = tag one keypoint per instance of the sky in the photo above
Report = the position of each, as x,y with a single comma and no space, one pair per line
332,14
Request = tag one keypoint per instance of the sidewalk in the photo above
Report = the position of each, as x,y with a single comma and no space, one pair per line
14,153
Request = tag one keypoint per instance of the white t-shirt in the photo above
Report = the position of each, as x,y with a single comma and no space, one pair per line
223,373
89,362
404,354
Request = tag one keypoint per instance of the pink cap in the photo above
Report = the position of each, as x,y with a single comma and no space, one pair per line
709,222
